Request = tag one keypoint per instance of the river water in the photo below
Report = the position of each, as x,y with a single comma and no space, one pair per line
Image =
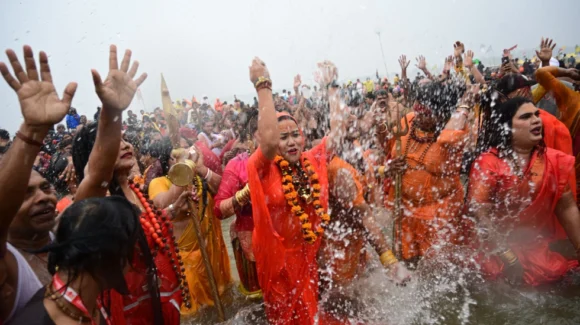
441,292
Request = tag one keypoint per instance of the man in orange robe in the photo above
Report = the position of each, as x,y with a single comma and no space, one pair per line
432,193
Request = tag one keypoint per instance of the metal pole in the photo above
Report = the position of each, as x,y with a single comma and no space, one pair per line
383,53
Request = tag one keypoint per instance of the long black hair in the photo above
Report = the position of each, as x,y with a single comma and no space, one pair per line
96,236
83,144
496,124
248,123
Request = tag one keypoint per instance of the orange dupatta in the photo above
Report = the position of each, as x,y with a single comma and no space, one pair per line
286,263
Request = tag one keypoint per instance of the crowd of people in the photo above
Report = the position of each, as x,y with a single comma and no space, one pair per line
97,228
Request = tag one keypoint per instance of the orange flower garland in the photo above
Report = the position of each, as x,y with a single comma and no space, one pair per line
292,198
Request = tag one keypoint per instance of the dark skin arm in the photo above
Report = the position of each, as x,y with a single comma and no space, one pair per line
116,93
41,109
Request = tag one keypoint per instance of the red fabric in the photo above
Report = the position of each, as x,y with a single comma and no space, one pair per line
235,177
286,263
63,204
536,225
210,159
136,278
188,133
557,136
227,148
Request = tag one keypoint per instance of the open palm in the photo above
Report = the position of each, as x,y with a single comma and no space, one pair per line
39,101
546,48
119,88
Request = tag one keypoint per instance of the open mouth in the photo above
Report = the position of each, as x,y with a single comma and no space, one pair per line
127,155
45,215
292,152
537,130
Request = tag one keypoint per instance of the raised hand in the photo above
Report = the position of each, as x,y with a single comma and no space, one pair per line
507,52
328,72
458,49
448,64
546,50
258,69
421,63
39,102
119,88
468,59
297,81
403,62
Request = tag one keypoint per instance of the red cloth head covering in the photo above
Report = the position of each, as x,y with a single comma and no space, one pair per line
188,133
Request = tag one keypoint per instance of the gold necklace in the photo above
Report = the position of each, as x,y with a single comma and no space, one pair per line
65,309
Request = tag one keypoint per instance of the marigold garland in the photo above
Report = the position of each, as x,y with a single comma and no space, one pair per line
292,198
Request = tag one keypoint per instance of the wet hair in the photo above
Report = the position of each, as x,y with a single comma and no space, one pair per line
83,144
496,124
249,124
97,236
4,135
164,148
441,98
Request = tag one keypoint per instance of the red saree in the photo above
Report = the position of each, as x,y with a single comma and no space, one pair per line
533,200
286,263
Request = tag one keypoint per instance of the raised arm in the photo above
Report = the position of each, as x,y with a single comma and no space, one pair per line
464,108
468,62
268,133
41,109
422,65
338,116
547,77
116,93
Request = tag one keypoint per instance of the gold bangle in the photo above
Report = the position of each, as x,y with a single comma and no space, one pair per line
381,171
508,257
388,258
242,196
263,82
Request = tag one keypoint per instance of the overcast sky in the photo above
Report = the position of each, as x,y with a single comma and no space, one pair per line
206,47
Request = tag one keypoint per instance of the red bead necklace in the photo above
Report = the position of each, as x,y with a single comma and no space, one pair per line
153,222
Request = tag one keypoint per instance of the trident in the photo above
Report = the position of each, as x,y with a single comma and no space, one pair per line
398,130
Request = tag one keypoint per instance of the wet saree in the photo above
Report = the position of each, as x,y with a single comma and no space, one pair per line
286,263
432,192
530,201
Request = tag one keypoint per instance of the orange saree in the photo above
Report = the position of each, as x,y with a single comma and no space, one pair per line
286,263
531,200
432,193
345,235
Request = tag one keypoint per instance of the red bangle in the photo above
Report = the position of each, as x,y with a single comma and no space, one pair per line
28,140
